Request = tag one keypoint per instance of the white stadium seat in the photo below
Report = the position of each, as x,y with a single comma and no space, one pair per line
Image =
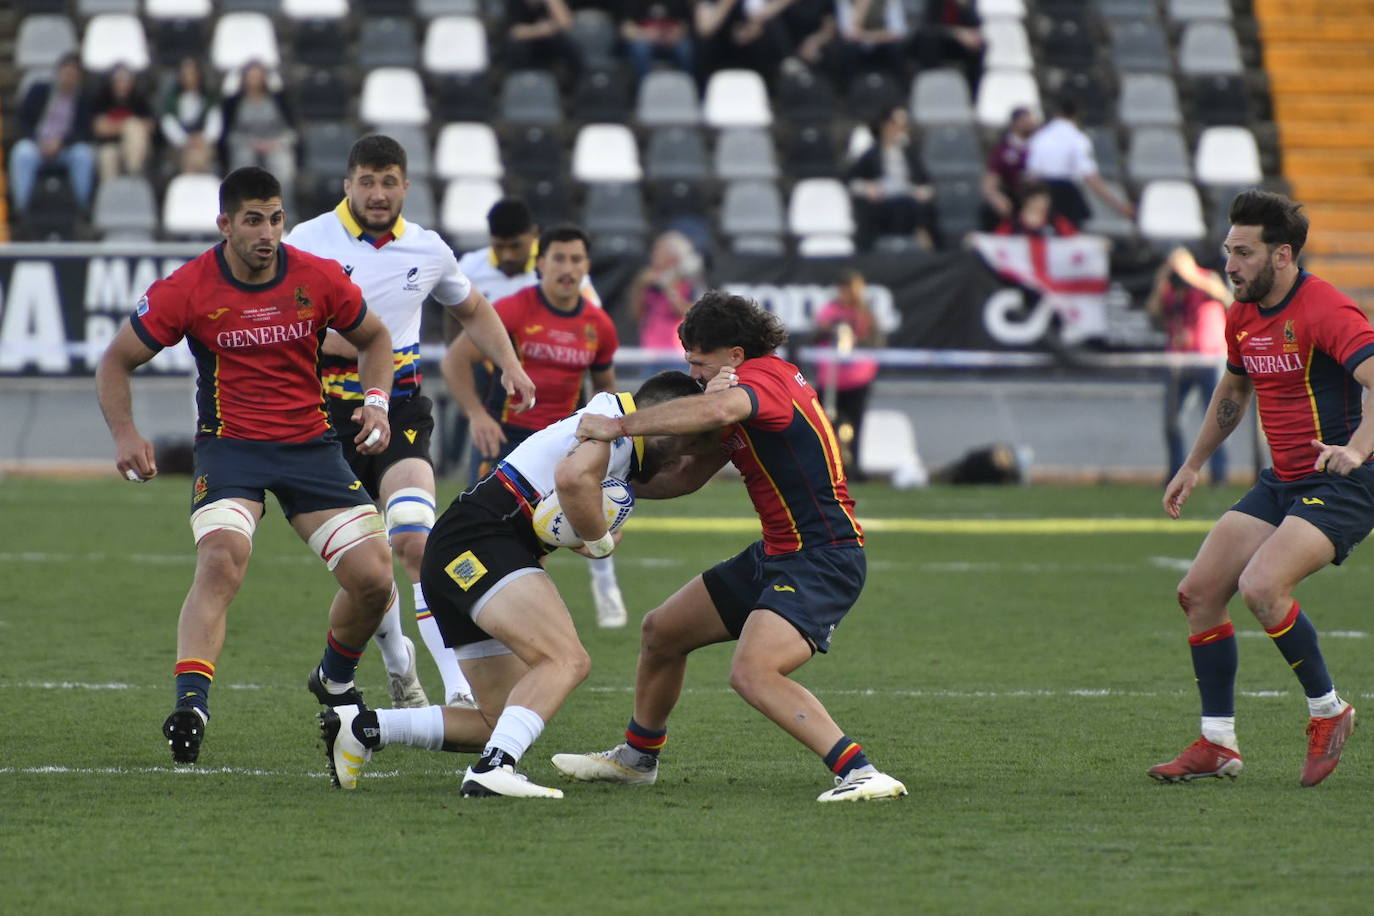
463,214
393,95
467,150
1227,156
1171,211
819,206
243,37
1002,90
606,152
114,38
455,44
737,98
191,205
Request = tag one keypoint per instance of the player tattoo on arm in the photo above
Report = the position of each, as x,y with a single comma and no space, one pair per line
1228,414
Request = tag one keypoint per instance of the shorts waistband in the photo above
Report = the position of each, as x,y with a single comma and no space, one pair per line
525,494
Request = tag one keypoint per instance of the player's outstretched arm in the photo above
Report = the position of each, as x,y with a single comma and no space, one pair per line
483,327
376,369
456,366
134,456
1224,413
678,417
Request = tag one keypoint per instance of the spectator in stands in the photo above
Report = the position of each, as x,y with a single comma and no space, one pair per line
1035,215
1006,167
54,134
952,34
1189,303
122,126
846,323
748,34
260,128
538,37
893,195
190,118
659,30
1061,155
811,29
873,36
663,292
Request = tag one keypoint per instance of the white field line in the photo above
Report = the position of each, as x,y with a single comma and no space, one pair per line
187,771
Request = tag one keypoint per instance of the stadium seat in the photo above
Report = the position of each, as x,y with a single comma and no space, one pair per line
860,139
1189,10
533,152
266,7
594,34
388,41
414,139
549,201
1157,153
940,97
181,9
1220,98
190,206
419,205
242,37
1002,90
431,9
173,39
1068,44
530,97
751,208
87,8
1103,220
603,95
872,95
676,153
1170,211
394,9
42,40
1092,89
802,97
605,153
737,98
461,97
319,43
323,94
951,151
125,209
888,444
1148,99
682,205
302,10
1209,47
1011,8
1114,11
1106,150
455,44
810,153
1228,156
825,246
114,38
393,95
463,213
744,153
324,147
1007,44
667,97
614,208
819,206
467,151
957,203
1139,45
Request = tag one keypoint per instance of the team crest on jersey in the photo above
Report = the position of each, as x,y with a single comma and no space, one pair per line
142,308
411,276
1289,335
201,488
304,307
466,569
589,332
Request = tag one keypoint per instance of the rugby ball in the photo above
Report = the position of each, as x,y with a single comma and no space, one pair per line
617,502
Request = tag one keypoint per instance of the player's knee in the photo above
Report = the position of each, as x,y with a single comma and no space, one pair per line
653,636
1261,592
578,664
409,511
746,680
345,531
222,561
223,515
409,547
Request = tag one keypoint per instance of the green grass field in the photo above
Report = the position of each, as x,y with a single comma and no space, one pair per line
1017,659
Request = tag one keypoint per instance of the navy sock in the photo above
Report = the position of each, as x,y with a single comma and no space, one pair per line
193,677
340,662
1296,639
1215,660
845,756
645,740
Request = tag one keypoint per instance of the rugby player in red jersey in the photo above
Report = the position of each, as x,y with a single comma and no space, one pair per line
561,337
1302,349
783,596
254,313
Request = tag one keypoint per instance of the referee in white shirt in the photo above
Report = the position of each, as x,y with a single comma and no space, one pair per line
1061,155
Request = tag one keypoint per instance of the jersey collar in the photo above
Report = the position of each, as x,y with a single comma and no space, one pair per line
544,300
529,265
627,407
356,230
251,287
1283,303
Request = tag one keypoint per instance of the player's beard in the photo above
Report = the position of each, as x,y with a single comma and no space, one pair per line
372,226
1261,286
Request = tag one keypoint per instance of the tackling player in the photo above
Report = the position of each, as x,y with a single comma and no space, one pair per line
1303,350
783,596
398,264
484,575
561,336
254,313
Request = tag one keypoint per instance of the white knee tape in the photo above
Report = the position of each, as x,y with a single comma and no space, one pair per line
410,509
222,515
344,531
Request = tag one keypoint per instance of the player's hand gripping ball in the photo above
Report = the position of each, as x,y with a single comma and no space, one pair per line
617,502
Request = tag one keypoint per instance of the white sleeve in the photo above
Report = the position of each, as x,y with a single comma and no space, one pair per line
453,287
1084,159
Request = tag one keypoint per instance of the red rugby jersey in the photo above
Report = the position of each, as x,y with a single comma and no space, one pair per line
790,460
556,348
1301,355
257,347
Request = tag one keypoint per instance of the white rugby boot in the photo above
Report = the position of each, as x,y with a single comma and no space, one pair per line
622,764
863,785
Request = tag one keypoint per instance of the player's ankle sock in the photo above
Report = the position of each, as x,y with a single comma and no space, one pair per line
845,757
444,659
1296,639
388,638
602,569
1325,706
366,729
645,740
1215,660
1220,730
417,727
492,758
193,677
339,664
515,731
